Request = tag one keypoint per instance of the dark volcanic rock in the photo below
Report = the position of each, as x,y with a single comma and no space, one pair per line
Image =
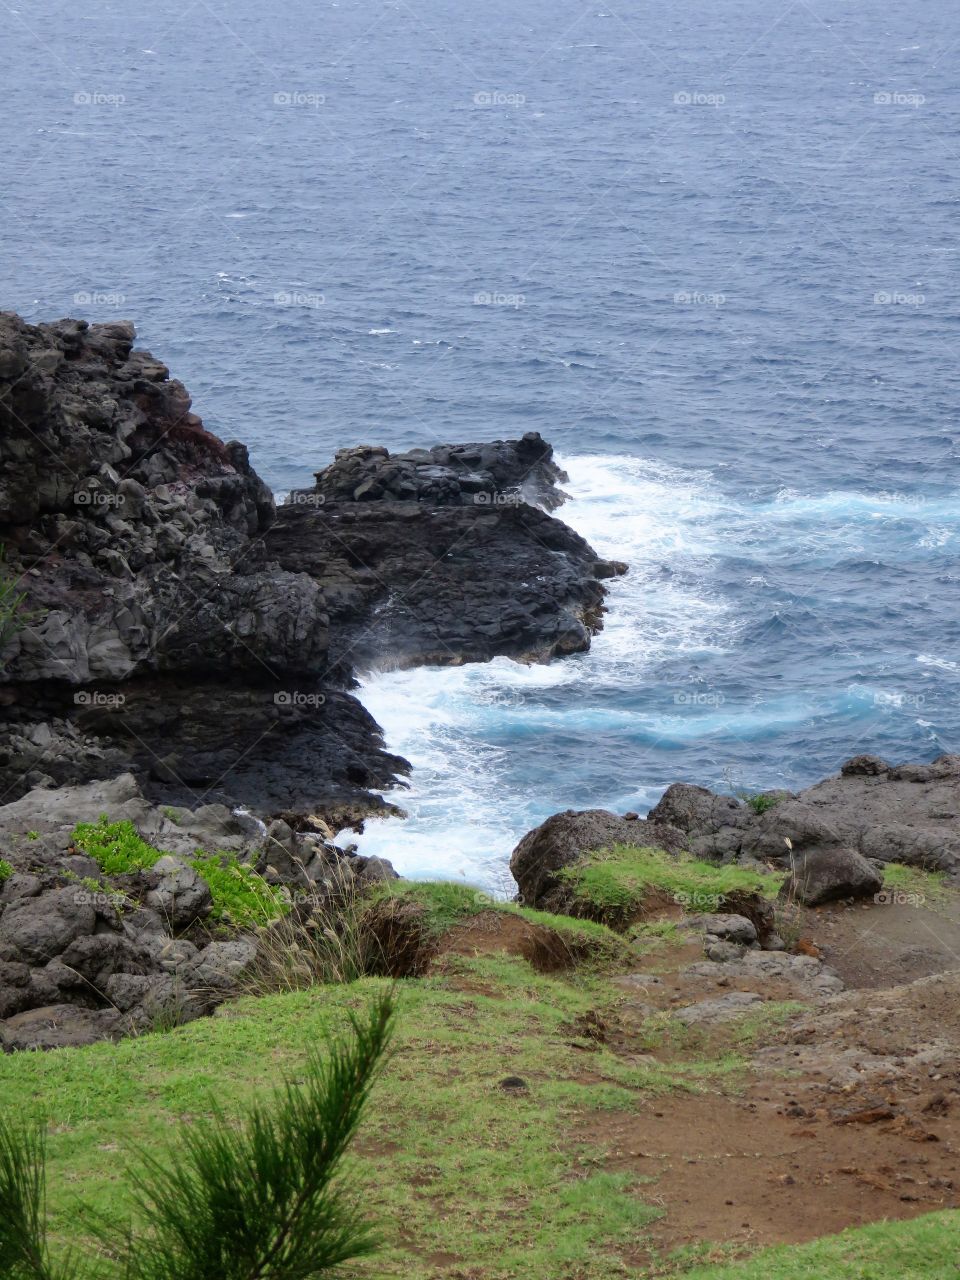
439,557
565,838
59,1026
825,874
39,928
177,626
128,950
158,635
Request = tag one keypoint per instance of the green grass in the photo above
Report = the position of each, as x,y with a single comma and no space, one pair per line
448,903
13,616
926,1248
5,870
241,897
453,1167
445,902
921,888
614,883
468,1182
763,801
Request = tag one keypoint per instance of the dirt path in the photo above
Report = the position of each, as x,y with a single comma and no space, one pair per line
849,1113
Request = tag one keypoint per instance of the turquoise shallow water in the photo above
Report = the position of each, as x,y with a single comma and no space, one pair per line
708,250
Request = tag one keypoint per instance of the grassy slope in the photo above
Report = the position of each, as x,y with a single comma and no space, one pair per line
926,1248
468,1181
457,1170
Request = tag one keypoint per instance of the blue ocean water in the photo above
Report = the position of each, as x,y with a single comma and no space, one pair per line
708,250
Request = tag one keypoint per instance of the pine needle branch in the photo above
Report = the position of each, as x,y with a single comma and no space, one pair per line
23,1208
258,1200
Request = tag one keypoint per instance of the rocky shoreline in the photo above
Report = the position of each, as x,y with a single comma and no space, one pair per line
178,654
178,643
179,625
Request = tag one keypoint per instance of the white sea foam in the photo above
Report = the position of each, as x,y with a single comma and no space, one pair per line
461,727
943,664
476,734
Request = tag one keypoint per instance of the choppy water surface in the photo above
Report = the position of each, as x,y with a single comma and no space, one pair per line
708,250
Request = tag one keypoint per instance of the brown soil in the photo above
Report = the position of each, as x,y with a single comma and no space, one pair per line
881,944
850,1112
502,932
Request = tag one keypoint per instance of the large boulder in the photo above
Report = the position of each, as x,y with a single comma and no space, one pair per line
566,838
712,823
180,895
822,875
60,1026
40,928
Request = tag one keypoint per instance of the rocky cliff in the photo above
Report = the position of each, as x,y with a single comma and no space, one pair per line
177,624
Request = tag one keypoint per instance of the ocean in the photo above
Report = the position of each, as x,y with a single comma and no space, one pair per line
709,251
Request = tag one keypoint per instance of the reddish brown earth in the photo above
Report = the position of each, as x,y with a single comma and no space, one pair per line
847,1112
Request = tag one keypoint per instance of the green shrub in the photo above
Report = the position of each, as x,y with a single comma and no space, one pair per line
234,1200
763,801
240,896
116,847
5,870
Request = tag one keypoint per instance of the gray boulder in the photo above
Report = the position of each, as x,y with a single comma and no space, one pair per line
97,957
42,927
181,895
731,928
822,875
222,964
59,1026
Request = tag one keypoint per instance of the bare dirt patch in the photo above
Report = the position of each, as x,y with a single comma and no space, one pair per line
503,932
848,1113
743,1171
881,944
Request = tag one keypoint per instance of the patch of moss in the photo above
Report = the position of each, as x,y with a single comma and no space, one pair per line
611,885
5,870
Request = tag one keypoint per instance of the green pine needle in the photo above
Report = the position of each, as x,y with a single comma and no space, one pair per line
23,1204
254,1199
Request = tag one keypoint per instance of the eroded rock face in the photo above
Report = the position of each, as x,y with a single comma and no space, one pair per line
140,523
439,557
